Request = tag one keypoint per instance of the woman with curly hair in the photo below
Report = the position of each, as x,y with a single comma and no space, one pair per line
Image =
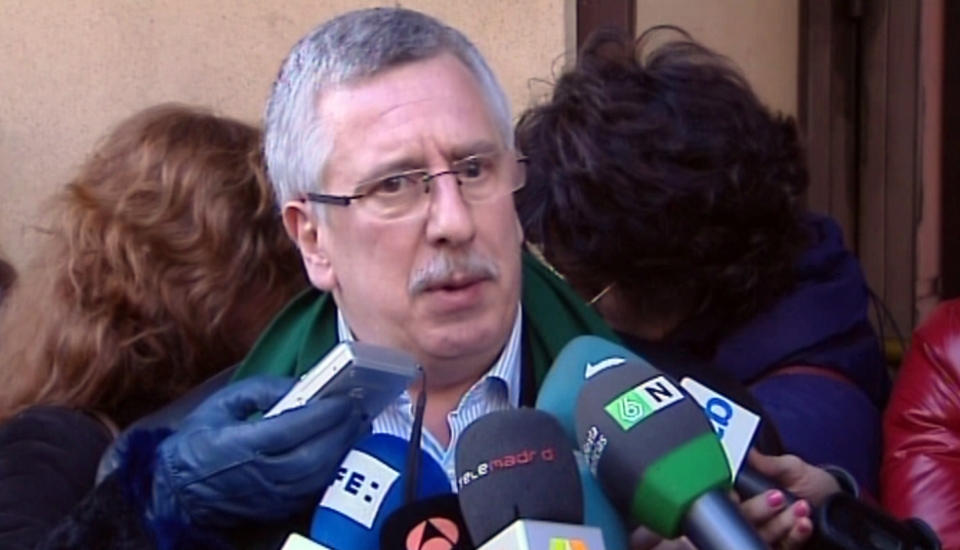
669,197
164,260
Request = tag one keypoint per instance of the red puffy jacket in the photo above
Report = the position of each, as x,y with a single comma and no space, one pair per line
921,459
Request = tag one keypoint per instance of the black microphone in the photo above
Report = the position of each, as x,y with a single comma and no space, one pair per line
519,483
434,522
657,457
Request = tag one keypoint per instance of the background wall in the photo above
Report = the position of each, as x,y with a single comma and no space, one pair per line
760,36
69,69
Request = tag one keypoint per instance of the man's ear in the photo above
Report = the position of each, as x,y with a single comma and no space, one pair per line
310,236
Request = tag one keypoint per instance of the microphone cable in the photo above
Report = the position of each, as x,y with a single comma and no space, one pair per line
413,451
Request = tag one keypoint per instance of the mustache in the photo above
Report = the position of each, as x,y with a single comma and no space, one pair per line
444,267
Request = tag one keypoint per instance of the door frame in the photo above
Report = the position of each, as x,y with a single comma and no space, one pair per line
859,109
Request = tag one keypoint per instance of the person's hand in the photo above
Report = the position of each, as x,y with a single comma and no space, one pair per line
775,523
781,525
220,467
645,539
793,474
778,523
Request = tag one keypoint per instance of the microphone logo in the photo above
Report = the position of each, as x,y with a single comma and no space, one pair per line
593,447
568,544
505,462
642,401
593,368
360,487
433,534
734,424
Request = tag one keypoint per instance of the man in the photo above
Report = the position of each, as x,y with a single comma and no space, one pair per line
390,146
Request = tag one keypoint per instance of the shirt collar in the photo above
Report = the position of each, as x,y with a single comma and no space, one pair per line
506,369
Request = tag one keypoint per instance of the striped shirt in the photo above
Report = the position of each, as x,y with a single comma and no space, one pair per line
496,390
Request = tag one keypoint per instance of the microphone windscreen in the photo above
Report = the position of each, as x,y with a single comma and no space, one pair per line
586,356
649,444
368,487
435,523
578,361
599,513
516,464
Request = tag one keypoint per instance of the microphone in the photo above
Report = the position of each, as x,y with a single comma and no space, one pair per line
578,361
434,523
657,457
842,522
585,356
368,487
598,512
519,484
558,394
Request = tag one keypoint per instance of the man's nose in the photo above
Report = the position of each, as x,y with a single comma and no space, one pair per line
450,217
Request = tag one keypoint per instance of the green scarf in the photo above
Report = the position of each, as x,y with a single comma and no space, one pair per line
306,329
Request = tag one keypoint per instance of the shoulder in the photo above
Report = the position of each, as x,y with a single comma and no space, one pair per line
934,357
929,378
63,426
941,332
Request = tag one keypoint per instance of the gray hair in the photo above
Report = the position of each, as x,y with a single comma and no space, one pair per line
347,48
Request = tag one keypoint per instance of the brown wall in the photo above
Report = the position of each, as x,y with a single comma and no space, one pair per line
71,68
761,36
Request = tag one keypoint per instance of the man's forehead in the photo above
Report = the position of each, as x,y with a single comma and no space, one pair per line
402,114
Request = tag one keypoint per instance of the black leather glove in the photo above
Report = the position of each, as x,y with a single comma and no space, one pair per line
221,468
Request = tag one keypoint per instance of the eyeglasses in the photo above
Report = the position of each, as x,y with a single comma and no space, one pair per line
593,301
481,177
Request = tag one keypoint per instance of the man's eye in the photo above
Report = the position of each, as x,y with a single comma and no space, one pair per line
474,168
391,185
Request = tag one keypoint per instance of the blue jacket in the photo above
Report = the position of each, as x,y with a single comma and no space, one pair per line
822,322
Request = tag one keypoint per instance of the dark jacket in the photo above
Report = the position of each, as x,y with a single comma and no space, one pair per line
48,458
921,428
829,415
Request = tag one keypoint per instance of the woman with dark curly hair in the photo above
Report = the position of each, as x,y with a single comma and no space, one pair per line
669,196
164,260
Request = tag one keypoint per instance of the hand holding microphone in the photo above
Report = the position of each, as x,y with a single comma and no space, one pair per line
658,459
842,522
801,479
586,357
659,500
785,515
